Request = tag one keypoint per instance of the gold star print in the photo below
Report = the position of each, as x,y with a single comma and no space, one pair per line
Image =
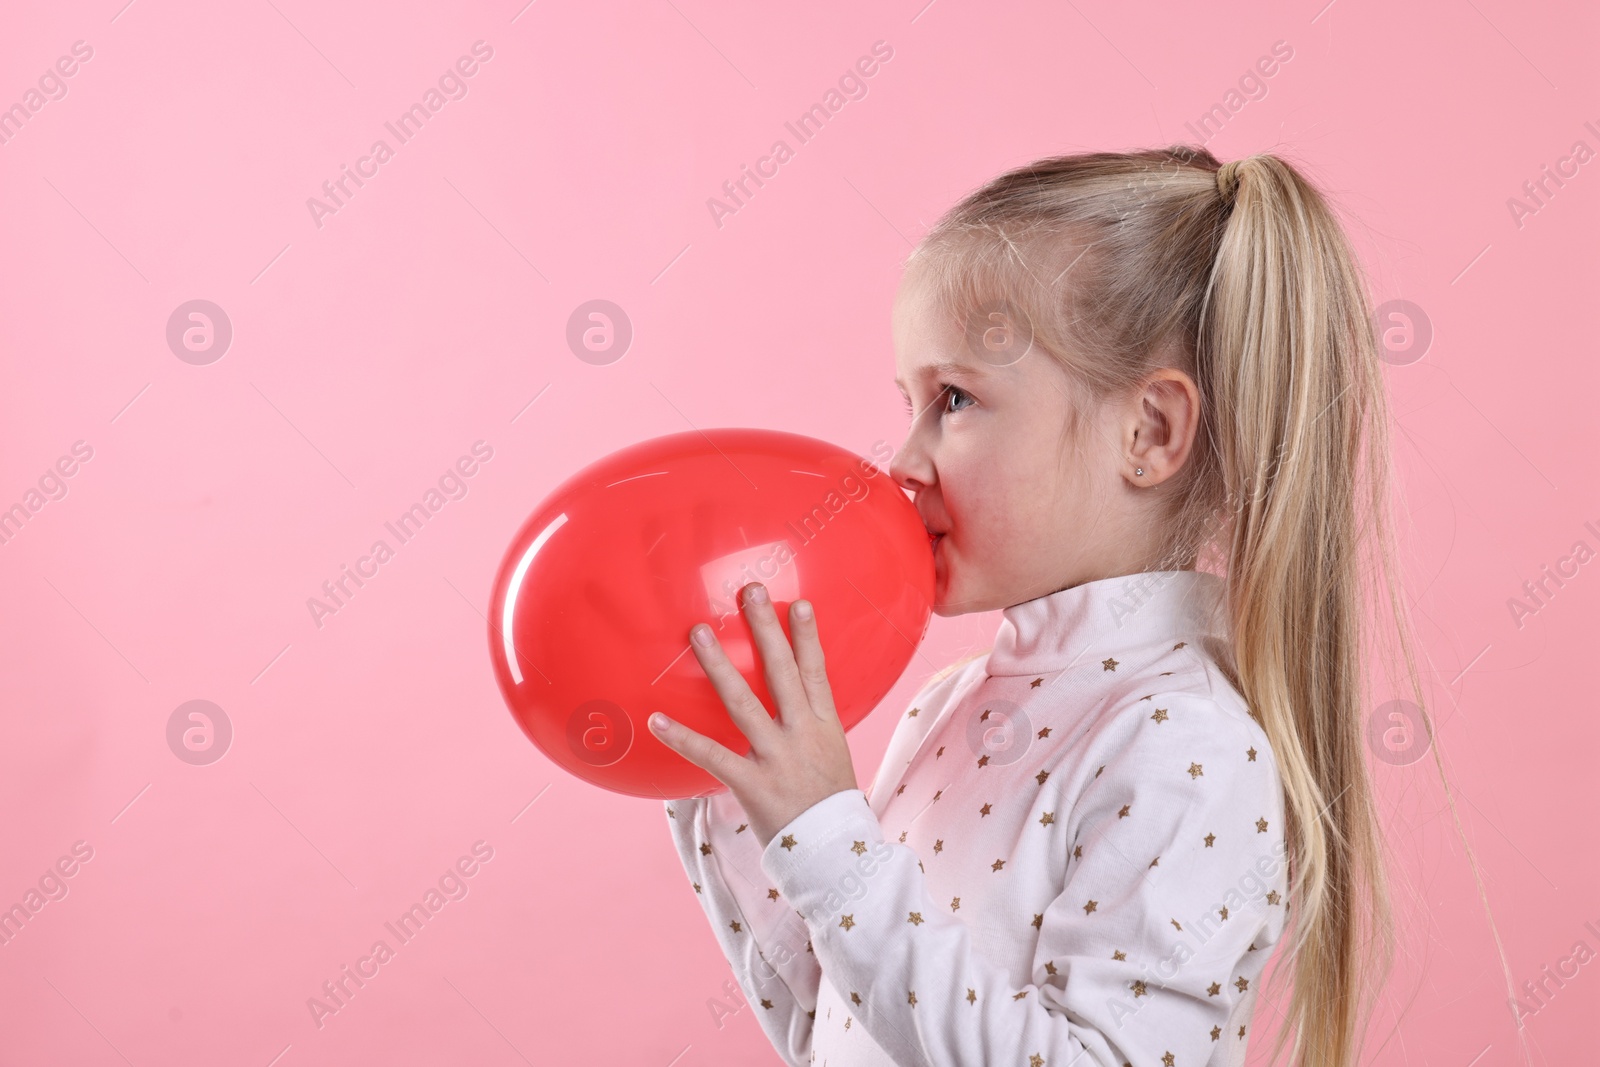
984,810
1138,988
772,894
1147,696
1035,1060
671,814
847,1022
972,998
1036,683
1093,904
1251,752
788,841
912,999
1243,984
938,846
856,999
812,1015
742,828
1209,839
859,847
902,789
1261,826
1224,913
1101,768
1122,813
1109,664
1050,967
939,753
1118,954
705,848
1179,645
848,921
736,927
1159,715
937,795
765,1003
1019,996
1195,771
1216,1032
997,865
1155,861
1176,923
1168,1060
1044,733
1077,852
1038,921
1213,989
983,760
955,903
912,714
1165,673
903,834
1041,776
1272,896
915,918
985,716
1047,818
1241,1033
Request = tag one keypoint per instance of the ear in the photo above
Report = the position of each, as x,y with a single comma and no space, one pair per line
1159,431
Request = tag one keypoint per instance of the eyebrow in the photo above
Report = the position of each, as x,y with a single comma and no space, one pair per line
948,368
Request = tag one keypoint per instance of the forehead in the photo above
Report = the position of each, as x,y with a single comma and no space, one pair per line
925,345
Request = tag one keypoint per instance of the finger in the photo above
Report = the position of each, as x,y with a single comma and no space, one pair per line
746,711
715,759
809,660
777,658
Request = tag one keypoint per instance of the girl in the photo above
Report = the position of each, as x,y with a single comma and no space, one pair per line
1078,848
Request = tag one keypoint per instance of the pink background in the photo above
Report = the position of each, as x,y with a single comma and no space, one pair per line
431,310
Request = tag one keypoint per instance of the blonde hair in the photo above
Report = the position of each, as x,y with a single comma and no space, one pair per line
1238,274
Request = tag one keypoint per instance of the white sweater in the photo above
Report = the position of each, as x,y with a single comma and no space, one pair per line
1072,854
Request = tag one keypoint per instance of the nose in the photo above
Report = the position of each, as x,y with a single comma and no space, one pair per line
911,468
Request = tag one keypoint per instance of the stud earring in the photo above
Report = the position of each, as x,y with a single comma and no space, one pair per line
1138,470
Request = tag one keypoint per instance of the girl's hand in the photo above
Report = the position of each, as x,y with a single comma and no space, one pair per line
795,760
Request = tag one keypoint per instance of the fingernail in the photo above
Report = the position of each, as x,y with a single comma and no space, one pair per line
701,635
802,609
757,594
658,723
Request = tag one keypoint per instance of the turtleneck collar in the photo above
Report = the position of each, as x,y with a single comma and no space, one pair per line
1088,622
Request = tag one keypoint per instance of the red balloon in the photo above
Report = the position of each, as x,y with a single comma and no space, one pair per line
592,605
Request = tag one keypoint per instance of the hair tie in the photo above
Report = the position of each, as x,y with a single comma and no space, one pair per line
1228,180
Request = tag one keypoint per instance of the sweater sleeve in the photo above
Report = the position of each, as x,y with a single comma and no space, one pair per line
761,934
1139,940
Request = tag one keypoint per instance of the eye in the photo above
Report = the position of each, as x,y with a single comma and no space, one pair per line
951,392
